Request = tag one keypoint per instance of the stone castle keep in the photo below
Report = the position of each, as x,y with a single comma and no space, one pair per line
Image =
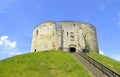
68,36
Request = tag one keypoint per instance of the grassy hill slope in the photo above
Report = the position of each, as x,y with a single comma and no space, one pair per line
43,64
111,63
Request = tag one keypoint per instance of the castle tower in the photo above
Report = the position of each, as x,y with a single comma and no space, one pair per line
73,36
69,36
44,37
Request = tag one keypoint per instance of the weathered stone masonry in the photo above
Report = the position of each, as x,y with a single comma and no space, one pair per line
69,36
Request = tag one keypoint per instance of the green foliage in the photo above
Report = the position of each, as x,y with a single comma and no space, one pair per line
111,63
43,64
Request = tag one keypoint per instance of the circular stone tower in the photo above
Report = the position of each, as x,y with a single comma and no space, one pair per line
44,37
69,36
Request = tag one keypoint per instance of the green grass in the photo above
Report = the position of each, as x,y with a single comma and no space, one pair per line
111,63
43,64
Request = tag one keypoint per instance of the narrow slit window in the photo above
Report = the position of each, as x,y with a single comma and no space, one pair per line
37,32
74,25
67,34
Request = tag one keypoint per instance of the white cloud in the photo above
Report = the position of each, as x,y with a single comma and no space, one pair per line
101,52
1,43
14,53
5,42
4,37
8,48
117,58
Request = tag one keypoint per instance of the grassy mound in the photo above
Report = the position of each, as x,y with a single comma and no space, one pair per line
111,63
43,64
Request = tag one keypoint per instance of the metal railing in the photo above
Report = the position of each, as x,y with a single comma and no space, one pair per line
97,64
100,66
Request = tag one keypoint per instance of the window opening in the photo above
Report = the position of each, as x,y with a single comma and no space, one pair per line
71,34
74,25
37,32
67,34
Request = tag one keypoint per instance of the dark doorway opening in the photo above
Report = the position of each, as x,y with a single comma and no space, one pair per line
72,49
35,50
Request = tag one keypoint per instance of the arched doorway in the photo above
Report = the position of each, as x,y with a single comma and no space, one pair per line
72,49
35,50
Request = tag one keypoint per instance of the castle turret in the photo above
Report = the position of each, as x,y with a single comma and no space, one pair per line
44,37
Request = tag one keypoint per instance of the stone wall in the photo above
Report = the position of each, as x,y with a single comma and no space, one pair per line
44,37
89,33
78,35
68,35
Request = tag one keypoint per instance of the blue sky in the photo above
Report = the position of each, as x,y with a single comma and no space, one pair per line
19,17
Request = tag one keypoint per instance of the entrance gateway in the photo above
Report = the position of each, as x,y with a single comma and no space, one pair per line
72,48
